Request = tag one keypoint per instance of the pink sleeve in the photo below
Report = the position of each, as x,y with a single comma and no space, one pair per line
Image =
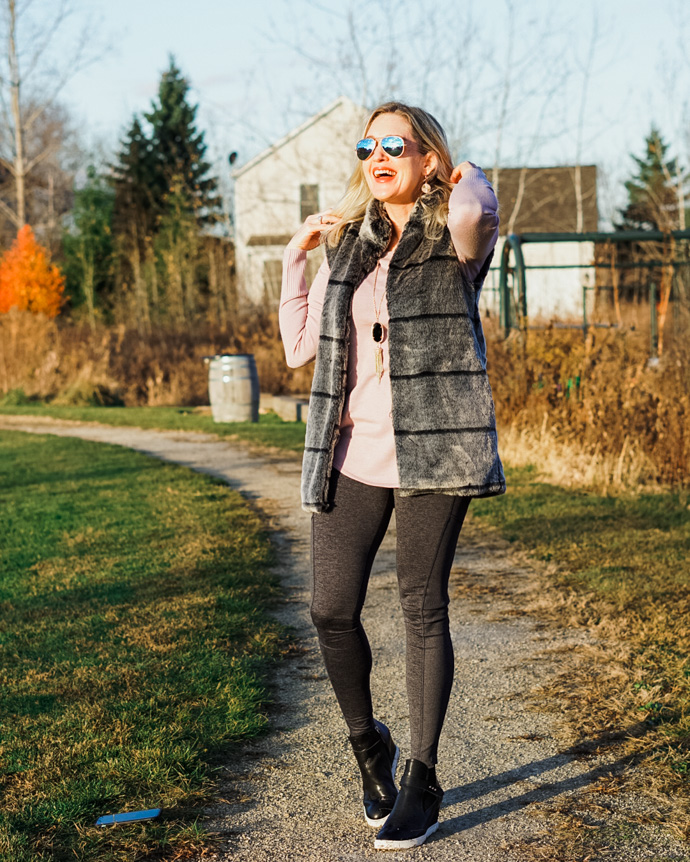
473,220
300,308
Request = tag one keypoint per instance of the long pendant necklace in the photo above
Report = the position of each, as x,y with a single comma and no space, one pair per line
378,330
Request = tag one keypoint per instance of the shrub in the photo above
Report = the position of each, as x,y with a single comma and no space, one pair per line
16,398
28,281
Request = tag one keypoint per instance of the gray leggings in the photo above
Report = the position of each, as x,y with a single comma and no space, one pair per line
344,543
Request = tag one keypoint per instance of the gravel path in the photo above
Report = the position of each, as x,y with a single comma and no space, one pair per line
294,793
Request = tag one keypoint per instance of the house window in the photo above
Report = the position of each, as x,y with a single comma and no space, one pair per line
273,273
308,200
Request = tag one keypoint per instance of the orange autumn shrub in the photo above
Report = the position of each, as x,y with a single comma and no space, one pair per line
28,281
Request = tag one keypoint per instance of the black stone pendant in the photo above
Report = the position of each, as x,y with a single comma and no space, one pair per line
377,332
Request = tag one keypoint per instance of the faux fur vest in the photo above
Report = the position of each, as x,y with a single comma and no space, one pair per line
443,412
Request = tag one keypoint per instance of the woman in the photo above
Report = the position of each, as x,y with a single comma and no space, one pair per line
401,415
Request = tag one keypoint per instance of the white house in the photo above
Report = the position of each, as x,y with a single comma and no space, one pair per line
304,172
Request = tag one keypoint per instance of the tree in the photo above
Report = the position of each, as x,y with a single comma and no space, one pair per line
88,245
165,198
49,187
135,213
656,191
28,281
177,245
185,193
34,68
656,201
178,150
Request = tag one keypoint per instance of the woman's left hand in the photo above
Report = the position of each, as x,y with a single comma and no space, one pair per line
461,169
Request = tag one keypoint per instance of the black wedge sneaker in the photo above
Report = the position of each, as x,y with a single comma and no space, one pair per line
377,756
415,814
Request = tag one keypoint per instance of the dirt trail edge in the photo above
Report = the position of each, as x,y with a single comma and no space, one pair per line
294,794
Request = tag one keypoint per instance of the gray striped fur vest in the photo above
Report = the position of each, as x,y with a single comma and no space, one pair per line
443,410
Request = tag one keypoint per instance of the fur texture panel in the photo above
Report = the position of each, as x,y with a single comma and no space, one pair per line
443,411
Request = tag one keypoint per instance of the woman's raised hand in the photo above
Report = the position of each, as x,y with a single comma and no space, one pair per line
309,234
461,169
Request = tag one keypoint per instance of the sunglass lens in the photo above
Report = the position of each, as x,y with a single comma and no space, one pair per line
365,148
393,145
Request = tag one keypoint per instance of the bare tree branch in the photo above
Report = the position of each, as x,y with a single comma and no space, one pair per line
586,69
9,214
30,87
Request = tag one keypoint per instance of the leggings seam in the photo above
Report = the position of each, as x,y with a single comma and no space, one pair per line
342,548
426,590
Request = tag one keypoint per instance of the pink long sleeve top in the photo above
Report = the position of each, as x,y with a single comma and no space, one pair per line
366,448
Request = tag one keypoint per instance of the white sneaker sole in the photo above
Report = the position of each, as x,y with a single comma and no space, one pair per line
377,824
386,844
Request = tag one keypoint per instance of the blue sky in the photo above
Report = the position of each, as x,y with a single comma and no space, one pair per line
246,63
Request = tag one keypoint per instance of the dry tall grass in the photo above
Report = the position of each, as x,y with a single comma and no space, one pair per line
569,464
588,412
70,363
592,411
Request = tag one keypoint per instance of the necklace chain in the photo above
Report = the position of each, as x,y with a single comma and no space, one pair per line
377,329
377,311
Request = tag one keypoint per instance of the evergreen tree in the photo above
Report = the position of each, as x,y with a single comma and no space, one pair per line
164,199
88,246
657,192
135,182
178,150
653,191
135,214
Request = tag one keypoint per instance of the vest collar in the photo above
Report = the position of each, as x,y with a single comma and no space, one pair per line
376,230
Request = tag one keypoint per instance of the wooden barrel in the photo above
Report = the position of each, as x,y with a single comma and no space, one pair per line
233,388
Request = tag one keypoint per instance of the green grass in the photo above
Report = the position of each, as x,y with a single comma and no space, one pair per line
134,643
628,558
631,549
271,430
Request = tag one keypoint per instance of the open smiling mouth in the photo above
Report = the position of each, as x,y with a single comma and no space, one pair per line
383,174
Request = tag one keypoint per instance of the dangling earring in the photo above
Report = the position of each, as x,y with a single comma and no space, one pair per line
426,188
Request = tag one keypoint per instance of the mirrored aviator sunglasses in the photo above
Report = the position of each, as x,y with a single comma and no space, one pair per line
393,145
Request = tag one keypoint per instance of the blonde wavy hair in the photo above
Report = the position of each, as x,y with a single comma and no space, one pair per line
429,137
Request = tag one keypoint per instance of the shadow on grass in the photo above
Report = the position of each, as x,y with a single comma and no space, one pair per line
57,476
537,510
